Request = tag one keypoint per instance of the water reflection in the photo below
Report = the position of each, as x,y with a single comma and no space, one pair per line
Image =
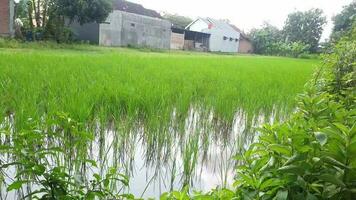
199,155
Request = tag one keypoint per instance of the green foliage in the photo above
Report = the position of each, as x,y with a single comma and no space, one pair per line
184,194
305,27
47,19
84,11
177,20
344,21
269,41
21,9
311,156
263,39
54,169
300,35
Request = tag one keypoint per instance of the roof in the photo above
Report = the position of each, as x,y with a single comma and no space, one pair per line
242,34
181,31
135,8
218,24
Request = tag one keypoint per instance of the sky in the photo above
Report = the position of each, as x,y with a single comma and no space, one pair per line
247,14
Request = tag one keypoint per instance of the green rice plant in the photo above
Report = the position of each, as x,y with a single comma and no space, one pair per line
125,90
109,84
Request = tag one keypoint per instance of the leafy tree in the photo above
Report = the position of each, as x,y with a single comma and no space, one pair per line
48,17
21,9
305,27
264,38
84,11
344,21
178,20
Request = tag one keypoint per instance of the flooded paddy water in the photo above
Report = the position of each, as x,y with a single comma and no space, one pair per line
199,156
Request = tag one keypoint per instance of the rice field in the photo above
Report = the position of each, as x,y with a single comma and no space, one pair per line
139,85
174,104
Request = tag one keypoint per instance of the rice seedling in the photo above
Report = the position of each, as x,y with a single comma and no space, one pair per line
111,85
146,98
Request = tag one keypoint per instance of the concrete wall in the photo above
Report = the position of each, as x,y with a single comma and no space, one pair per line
110,31
6,17
221,42
86,32
217,42
177,41
124,29
245,46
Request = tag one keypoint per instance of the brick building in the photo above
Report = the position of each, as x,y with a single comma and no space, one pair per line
6,17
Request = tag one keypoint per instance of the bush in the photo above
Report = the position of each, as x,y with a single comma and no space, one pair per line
311,156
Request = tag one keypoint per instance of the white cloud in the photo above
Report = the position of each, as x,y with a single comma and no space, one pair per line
247,14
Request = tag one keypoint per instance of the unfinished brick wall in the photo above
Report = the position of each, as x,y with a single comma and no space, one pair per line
4,17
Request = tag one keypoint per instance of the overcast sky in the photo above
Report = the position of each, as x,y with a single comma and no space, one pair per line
247,14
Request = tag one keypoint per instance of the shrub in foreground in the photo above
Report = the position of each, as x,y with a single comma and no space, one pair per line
311,156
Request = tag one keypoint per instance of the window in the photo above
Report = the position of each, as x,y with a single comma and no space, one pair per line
231,39
225,38
132,25
236,40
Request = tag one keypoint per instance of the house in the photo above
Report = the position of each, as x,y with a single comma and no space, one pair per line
182,39
6,17
245,44
223,38
129,24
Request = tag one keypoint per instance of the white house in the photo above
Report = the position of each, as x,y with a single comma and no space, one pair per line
223,38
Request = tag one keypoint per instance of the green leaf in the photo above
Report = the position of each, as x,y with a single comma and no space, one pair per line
106,182
281,195
311,197
334,162
16,185
295,158
321,137
293,169
92,162
280,149
332,179
249,180
342,128
39,169
271,182
97,177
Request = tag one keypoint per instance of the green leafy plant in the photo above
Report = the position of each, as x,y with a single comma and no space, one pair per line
50,157
312,155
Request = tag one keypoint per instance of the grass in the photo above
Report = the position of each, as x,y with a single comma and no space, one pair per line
121,83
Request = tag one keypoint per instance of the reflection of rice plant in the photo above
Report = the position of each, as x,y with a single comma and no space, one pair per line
190,158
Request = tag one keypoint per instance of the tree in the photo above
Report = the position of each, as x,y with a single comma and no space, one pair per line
264,38
344,21
305,27
48,17
178,20
84,11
